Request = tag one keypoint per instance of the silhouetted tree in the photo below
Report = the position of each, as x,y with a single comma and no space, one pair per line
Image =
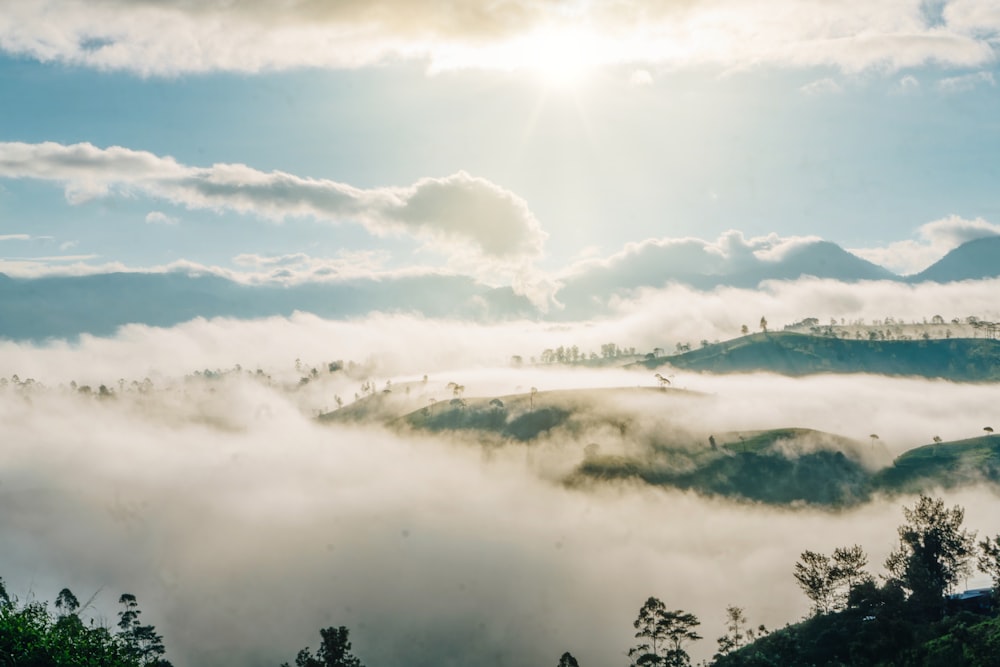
988,561
567,660
933,553
736,635
665,633
812,574
141,641
828,581
334,651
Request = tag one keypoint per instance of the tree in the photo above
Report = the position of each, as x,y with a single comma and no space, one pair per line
828,581
141,641
32,635
334,651
736,635
744,330
988,560
933,552
763,324
665,633
567,660
812,573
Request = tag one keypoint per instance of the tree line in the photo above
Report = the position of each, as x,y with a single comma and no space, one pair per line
904,616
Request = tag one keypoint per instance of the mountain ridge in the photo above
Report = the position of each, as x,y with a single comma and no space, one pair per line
97,304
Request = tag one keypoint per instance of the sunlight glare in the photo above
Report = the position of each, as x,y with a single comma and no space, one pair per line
561,59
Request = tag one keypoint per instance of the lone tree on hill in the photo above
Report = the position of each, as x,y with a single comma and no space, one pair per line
665,633
933,553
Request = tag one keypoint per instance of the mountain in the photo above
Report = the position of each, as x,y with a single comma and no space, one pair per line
958,359
972,260
693,263
65,307
821,259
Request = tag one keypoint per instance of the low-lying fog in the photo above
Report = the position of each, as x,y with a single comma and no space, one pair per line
244,525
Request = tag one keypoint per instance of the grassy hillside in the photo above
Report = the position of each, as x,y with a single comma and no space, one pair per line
627,434
964,359
780,466
947,464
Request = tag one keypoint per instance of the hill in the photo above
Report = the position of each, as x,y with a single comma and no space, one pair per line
946,464
967,360
626,435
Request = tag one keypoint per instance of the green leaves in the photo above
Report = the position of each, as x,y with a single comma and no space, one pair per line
30,634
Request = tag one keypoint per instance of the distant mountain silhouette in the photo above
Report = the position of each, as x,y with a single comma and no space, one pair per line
654,265
822,259
65,307
972,260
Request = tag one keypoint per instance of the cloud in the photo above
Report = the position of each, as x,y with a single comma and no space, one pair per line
15,237
470,219
169,37
160,218
907,84
966,82
934,240
640,77
825,86
243,525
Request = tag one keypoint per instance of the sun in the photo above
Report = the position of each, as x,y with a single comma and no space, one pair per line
561,59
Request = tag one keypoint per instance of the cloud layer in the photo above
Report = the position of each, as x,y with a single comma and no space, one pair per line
459,215
175,36
243,526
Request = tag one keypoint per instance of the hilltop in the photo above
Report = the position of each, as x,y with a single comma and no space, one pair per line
958,359
607,436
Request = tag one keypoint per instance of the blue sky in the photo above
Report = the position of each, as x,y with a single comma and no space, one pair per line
567,129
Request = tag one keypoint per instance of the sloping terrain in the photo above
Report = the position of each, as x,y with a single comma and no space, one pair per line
627,435
970,360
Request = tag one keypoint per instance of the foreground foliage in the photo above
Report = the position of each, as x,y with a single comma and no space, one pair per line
32,634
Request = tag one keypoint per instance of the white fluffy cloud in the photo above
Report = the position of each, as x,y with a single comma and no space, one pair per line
461,215
933,241
174,36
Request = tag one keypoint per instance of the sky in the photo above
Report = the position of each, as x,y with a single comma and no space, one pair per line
519,143
510,144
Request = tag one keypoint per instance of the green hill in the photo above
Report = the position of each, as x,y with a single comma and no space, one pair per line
946,464
625,434
779,466
959,359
